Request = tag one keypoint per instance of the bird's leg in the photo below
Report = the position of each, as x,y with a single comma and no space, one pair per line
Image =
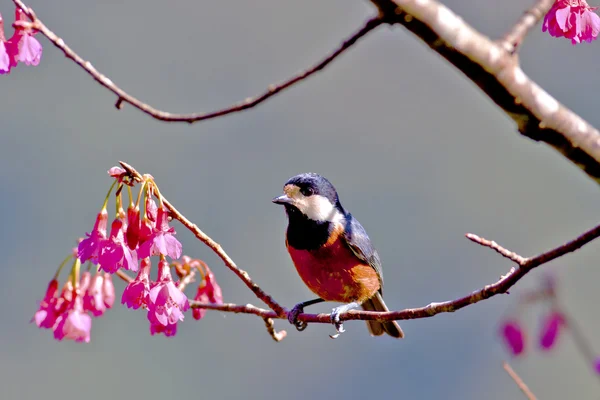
335,317
299,309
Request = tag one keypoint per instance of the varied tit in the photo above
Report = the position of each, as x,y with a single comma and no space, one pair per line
332,252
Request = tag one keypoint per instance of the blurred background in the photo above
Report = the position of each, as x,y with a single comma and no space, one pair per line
417,153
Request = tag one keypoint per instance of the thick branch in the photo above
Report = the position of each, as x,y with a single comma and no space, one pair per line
124,97
496,71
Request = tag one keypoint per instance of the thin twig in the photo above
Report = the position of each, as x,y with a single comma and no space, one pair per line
124,97
530,18
214,246
515,377
497,248
277,336
186,280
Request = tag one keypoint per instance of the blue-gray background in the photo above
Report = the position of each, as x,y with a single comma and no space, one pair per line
417,153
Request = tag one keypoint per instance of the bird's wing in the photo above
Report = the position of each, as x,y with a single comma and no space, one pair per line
357,239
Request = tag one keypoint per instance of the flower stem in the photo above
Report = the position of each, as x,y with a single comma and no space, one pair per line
108,194
74,275
62,264
130,196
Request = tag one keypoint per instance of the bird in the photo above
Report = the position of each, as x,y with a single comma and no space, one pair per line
332,253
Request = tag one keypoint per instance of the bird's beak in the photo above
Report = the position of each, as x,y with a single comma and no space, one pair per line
283,199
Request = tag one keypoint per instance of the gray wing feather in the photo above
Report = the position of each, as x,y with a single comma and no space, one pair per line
357,239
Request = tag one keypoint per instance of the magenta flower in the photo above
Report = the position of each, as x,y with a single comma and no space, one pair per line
4,57
46,315
93,299
168,330
84,281
513,336
597,365
133,227
23,46
30,50
151,209
572,19
74,324
209,291
162,240
117,173
115,253
65,299
90,247
108,291
166,302
550,329
136,293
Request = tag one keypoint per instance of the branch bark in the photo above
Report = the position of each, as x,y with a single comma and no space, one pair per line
496,71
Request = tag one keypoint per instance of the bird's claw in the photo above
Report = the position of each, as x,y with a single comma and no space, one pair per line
335,320
293,317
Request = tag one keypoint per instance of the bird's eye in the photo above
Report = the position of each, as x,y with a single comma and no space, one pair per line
307,191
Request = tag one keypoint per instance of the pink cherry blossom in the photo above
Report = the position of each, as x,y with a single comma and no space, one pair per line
209,291
513,336
572,19
74,323
550,329
166,302
115,253
117,172
108,291
151,209
84,281
136,293
162,240
65,299
168,330
4,57
132,233
90,247
23,46
46,315
93,299
597,365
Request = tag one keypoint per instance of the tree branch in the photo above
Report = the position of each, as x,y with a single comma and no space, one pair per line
497,73
524,265
215,247
514,38
250,102
515,377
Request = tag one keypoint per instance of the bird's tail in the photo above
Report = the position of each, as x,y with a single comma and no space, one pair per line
376,328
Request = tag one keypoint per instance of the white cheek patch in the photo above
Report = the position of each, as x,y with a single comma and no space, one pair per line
318,208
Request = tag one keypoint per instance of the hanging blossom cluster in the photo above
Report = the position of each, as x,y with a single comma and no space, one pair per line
135,237
20,47
572,19
553,322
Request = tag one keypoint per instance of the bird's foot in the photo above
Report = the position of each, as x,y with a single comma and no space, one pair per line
299,309
293,317
335,318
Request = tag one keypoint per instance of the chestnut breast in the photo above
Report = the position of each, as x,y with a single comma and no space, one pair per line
334,273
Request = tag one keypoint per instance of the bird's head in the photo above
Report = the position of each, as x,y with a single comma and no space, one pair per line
313,196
